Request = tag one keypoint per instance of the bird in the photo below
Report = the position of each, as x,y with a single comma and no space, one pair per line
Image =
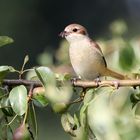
86,56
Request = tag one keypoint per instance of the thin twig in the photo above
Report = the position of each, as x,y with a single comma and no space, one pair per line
16,82
106,83
77,83
30,92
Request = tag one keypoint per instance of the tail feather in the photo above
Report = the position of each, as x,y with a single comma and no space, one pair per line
115,74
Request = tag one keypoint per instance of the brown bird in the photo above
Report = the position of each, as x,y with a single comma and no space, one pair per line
86,56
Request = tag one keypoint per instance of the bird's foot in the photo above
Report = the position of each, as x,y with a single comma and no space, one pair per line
116,84
75,79
97,81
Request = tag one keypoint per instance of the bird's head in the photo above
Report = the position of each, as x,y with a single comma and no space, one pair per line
74,32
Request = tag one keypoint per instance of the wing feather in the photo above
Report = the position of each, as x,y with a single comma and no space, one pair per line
94,44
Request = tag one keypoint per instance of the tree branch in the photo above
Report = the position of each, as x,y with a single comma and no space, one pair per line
105,83
77,83
16,82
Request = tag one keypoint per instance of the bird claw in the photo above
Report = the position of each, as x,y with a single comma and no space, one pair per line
75,79
116,84
97,81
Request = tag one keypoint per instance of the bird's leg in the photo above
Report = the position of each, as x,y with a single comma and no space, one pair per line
116,84
75,79
97,81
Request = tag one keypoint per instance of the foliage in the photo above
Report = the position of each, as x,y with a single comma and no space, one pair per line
104,113
4,40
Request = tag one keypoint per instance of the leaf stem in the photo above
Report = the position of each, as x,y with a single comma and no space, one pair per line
12,120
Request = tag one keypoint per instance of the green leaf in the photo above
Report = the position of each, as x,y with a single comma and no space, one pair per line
4,40
4,70
12,69
76,120
59,95
89,96
6,107
41,99
5,132
83,111
18,99
134,98
137,110
39,95
127,58
83,115
45,59
26,59
68,124
45,75
82,134
33,121
59,107
2,92
118,27
63,77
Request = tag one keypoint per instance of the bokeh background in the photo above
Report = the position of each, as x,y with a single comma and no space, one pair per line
35,24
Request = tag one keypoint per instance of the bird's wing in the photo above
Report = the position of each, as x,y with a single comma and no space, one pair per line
94,44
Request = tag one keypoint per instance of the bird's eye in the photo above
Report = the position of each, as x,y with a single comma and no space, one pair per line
75,30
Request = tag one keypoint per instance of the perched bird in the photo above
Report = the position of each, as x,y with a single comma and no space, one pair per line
86,56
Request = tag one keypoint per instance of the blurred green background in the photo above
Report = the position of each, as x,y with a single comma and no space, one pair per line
35,24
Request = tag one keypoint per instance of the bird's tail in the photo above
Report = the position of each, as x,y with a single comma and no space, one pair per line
115,74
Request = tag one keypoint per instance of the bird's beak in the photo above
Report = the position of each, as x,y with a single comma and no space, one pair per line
63,34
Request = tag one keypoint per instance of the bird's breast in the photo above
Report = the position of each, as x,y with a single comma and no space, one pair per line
86,61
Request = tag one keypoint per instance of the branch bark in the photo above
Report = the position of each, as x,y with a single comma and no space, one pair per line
77,83
16,82
105,83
